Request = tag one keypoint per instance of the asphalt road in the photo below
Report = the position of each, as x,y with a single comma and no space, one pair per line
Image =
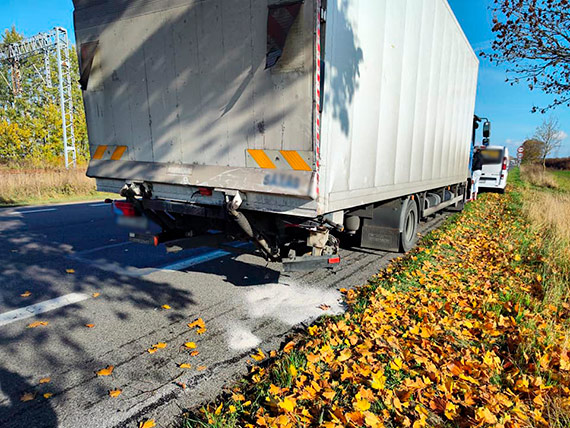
63,255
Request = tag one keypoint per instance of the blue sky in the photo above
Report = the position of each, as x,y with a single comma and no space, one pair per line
508,107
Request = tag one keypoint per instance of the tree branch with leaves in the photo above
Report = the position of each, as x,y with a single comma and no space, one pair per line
533,39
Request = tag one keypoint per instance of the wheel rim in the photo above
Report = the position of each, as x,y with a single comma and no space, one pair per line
410,226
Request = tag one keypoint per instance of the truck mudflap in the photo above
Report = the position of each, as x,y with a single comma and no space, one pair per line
310,263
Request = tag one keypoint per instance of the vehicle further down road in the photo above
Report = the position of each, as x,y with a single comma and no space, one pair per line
291,124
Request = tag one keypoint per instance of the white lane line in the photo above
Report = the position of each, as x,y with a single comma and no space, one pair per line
196,260
36,211
102,204
40,308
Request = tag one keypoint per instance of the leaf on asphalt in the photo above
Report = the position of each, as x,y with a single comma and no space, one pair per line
26,294
180,384
48,395
45,380
166,307
151,350
106,371
190,345
115,393
184,366
70,270
201,330
89,325
95,295
201,368
160,345
148,423
38,324
194,353
197,323
27,396
324,307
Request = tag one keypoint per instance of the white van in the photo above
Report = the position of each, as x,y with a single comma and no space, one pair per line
495,168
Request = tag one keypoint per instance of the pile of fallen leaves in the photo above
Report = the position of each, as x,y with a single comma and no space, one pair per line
455,334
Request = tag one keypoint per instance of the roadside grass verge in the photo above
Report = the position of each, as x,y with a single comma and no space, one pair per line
42,186
537,176
460,332
563,178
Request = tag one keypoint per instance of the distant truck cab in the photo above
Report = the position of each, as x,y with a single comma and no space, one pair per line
495,168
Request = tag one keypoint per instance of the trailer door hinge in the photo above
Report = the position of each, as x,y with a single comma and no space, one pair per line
323,14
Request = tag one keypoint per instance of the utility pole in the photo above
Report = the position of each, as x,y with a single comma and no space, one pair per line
45,44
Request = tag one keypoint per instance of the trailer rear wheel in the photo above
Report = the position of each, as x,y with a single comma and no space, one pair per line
409,226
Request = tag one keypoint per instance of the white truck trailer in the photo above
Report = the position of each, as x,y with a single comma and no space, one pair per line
289,123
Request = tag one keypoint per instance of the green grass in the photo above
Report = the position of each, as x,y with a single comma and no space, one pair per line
563,179
95,196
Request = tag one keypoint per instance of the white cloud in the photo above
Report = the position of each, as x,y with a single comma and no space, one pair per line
562,135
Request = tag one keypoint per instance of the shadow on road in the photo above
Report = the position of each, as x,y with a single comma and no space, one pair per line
13,386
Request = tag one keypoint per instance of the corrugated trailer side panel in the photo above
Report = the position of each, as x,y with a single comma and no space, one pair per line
400,86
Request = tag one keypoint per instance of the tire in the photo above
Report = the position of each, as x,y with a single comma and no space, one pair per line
409,226
502,191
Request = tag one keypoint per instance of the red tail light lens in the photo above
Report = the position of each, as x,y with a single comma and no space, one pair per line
204,191
505,160
124,208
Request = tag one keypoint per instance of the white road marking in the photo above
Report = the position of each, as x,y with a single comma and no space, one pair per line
36,211
40,308
196,260
102,204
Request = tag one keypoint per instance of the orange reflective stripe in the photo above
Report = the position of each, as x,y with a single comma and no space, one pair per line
294,159
99,152
261,159
119,152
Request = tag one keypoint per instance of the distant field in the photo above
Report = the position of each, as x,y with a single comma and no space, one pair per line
44,186
563,179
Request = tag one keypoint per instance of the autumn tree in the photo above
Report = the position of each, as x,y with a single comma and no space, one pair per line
533,39
550,135
532,151
30,122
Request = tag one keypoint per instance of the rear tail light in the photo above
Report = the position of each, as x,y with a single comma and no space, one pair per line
505,164
334,260
126,209
204,191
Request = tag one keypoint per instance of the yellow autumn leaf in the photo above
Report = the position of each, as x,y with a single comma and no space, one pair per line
70,270
396,364
232,408
219,409
190,345
287,404
292,370
194,353
149,423
89,325
487,416
45,380
166,307
115,393
95,295
517,258
289,347
27,396
198,323
201,368
107,371
160,345
260,356
152,350
378,381
184,366
26,294
362,405
48,395
38,324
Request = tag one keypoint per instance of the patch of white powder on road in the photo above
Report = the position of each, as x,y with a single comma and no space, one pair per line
240,338
292,304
